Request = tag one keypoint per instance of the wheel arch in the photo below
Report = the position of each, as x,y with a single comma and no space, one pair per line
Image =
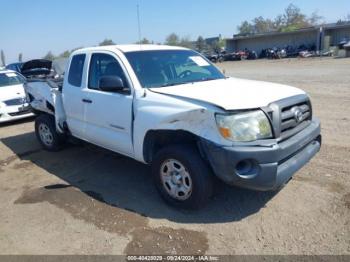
158,139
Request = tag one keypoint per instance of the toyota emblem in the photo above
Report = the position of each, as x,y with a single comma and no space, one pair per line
298,114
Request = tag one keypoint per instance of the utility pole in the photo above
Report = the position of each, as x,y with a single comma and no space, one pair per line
139,23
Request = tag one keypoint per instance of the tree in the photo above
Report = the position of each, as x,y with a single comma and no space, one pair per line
172,39
262,25
217,46
246,28
345,20
3,60
49,56
65,54
292,19
106,42
20,57
144,41
201,45
186,42
315,18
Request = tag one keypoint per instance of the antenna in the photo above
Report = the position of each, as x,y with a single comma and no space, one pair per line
139,23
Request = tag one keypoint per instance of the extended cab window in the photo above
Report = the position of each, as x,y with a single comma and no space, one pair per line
76,70
104,65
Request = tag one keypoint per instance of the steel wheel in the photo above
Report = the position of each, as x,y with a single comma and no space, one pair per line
176,179
45,134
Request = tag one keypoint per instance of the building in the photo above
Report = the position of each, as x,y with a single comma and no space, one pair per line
318,38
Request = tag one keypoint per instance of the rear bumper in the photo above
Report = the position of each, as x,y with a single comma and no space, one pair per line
271,167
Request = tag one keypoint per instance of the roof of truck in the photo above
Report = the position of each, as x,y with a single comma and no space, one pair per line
133,48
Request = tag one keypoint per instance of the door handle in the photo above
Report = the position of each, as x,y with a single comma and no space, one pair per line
87,101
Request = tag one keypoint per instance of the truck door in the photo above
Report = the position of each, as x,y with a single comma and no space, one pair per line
73,96
109,114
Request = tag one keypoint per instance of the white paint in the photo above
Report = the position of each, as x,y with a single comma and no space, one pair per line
108,121
233,93
8,93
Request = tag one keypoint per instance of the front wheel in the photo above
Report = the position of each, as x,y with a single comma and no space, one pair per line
181,176
45,129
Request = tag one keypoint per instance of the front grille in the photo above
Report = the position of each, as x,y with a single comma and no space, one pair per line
294,118
290,116
15,102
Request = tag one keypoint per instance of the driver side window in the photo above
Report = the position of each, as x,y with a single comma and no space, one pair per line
104,65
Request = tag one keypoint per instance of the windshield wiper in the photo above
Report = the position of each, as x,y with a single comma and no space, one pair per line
174,84
205,79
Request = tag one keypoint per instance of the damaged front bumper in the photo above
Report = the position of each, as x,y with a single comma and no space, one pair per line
12,113
264,168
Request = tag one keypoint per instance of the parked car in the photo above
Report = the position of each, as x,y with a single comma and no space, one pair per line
171,108
231,56
13,102
214,57
15,67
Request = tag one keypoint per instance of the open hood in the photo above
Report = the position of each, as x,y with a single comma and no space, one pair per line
232,93
36,67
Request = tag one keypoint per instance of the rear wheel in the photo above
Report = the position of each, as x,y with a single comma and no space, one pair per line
45,129
182,177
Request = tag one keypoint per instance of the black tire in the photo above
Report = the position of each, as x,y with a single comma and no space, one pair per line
57,140
198,170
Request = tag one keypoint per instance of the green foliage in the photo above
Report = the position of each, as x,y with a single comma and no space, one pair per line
3,59
106,42
49,56
216,46
292,19
246,28
144,41
186,42
173,40
201,45
65,54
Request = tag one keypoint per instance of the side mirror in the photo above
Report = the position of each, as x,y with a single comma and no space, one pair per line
111,84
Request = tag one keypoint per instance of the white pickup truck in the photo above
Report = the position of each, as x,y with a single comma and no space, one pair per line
171,108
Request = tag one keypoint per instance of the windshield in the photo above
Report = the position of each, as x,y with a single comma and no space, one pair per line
11,78
171,67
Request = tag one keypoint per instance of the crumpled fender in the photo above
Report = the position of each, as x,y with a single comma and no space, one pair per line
161,112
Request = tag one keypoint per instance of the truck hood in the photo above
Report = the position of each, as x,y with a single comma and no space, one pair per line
232,93
11,92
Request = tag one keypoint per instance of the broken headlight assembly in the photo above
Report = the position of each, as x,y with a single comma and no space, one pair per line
244,126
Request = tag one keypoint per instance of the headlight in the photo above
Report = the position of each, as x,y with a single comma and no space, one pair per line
245,126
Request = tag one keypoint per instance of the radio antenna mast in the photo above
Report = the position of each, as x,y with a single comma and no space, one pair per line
139,23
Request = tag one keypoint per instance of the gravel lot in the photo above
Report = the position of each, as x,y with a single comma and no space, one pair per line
84,200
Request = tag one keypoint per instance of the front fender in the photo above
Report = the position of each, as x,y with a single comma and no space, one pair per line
161,112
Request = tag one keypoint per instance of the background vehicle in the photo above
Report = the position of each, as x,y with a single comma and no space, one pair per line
13,102
214,57
15,67
171,108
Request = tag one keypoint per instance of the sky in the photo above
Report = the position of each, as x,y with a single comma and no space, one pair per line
34,27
